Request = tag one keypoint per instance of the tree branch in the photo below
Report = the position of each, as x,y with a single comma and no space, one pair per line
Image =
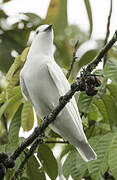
108,23
19,172
58,142
108,30
38,131
64,100
38,141
73,60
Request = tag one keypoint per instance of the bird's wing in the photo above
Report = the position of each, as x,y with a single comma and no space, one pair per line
58,77
63,87
23,88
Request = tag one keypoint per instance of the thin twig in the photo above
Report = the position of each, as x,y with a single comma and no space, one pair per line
108,23
58,142
38,131
73,60
20,170
108,30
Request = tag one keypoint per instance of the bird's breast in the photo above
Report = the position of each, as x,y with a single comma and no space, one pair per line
42,90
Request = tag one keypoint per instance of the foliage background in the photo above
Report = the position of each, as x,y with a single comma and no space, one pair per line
99,113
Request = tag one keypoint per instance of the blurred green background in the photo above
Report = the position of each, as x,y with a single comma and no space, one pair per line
99,112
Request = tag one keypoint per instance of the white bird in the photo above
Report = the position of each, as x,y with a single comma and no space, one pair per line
43,83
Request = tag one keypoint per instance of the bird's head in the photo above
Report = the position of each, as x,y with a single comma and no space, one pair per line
44,35
41,30
43,40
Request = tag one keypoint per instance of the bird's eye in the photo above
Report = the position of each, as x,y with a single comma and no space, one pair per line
37,31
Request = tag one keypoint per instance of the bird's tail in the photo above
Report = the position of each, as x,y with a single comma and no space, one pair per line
86,151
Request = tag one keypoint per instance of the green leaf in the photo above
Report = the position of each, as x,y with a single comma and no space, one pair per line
9,102
111,109
12,76
98,167
53,11
12,83
24,178
14,131
57,10
52,134
13,68
113,156
6,0
110,70
2,97
5,54
67,166
93,114
74,166
17,35
65,150
48,161
2,148
102,108
14,39
33,170
107,108
11,110
15,90
9,174
78,167
34,19
24,54
87,57
27,116
3,14
3,138
89,13
113,90
84,102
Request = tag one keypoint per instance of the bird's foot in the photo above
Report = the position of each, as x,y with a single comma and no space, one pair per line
60,99
45,118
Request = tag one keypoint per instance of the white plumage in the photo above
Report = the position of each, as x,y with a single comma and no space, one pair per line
43,82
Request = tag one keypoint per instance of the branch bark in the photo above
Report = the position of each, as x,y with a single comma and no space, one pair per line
64,100
19,172
58,142
108,30
73,60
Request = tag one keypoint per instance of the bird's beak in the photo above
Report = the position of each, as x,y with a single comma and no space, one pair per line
48,28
